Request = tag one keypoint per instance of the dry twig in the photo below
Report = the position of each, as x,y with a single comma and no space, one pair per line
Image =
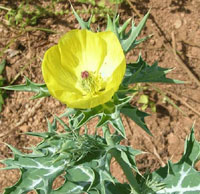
155,153
134,9
183,102
172,51
180,62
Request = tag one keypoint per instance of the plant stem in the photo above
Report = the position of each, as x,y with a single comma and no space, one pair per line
125,167
41,29
5,8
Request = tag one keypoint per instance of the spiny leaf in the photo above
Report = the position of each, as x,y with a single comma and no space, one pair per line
39,172
137,116
107,113
91,173
39,134
84,25
68,112
122,29
130,42
15,150
78,179
65,126
181,177
40,89
128,155
192,150
127,40
142,72
104,182
113,25
52,126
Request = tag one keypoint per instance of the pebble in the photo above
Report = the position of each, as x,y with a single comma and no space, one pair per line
178,24
23,128
27,106
152,42
11,53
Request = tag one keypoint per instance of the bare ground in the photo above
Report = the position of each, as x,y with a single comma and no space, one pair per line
173,23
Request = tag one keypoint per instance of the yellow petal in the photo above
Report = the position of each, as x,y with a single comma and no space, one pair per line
90,102
84,49
55,76
99,54
115,56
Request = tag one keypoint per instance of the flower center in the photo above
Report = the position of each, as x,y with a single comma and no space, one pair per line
84,74
92,82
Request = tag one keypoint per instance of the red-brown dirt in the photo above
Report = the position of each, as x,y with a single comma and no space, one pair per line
171,21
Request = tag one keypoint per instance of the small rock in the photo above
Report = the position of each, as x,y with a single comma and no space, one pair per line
27,106
182,15
11,53
57,103
152,42
178,24
23,128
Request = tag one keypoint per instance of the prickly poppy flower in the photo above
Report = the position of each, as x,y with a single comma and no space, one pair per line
85,69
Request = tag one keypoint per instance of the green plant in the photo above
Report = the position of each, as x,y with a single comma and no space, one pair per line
83,159
27,14
2,79
23,15
116,1
143,99
100,8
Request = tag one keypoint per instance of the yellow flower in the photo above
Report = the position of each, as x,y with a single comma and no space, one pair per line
85,69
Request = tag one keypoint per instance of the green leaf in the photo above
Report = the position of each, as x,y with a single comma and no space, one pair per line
51,158
2,79
113,25
52,126
1,101
83,161
38,170
40,89
84,25
137,116
144,99
65,126
128,155
2,66
182,177
142,72
130,42
192,150
104,182
114,188
122,29
107,113
78,179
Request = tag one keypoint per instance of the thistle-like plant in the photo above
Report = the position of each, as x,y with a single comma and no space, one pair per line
81,158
